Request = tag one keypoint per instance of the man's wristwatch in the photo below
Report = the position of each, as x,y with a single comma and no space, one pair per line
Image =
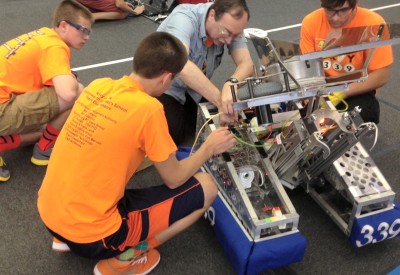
232,80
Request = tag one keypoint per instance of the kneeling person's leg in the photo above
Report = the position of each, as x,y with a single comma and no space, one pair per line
166,212
179,219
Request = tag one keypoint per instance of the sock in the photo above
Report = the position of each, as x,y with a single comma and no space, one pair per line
49,138
138,250
127,255
9,142
152,243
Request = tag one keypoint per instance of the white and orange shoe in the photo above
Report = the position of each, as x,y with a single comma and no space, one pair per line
59,246
140,265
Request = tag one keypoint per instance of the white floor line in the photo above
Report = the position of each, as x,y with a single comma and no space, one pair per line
103,64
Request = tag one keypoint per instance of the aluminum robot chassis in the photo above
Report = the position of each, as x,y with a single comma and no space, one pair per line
291,136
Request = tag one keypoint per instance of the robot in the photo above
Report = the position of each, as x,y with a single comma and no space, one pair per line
291,136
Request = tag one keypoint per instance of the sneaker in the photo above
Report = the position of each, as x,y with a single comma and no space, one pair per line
140,265
59,246
4,173
39,157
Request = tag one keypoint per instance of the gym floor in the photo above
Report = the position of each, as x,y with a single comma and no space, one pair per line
25,245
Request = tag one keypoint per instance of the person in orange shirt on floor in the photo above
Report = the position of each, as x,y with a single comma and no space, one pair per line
83,200
37,85
337,15
112,9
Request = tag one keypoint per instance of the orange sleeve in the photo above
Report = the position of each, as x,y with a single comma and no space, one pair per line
159,144
55,62
306,35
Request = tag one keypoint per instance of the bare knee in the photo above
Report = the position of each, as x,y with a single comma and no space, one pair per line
80,88
210,189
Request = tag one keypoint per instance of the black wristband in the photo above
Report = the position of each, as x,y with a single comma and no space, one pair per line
232,80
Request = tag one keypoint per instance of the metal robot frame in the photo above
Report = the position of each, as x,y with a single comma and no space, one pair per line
291,136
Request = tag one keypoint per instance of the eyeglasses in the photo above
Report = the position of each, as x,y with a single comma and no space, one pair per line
80,28
223,31
340,12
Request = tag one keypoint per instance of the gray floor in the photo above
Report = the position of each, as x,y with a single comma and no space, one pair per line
24,242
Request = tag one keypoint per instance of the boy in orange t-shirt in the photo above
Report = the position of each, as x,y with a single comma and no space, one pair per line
37,85
337,15
83,200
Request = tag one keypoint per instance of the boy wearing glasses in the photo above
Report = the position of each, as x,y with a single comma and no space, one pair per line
205,29
37,85
339,14
83,200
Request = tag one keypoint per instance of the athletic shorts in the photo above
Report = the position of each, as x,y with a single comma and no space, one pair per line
145,213
28,112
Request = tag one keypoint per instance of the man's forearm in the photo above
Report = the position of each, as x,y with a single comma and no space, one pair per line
375,80
194,78
244,64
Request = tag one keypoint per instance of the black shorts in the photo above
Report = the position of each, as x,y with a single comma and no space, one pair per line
145,213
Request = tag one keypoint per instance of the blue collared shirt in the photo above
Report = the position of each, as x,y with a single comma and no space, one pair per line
187,23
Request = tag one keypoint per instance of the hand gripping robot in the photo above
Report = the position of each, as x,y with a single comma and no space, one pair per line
291,136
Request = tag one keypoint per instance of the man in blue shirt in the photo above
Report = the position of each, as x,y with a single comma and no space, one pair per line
205,29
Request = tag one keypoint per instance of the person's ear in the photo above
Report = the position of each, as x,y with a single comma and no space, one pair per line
211,14
165,77
62,26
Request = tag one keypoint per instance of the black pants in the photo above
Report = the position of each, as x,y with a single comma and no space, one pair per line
181,118
368,103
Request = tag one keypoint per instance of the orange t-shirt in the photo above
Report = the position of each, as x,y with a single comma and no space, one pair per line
315,29
30,61
112,126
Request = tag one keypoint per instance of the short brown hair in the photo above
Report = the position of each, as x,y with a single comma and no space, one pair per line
236,8
157,53
70,10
